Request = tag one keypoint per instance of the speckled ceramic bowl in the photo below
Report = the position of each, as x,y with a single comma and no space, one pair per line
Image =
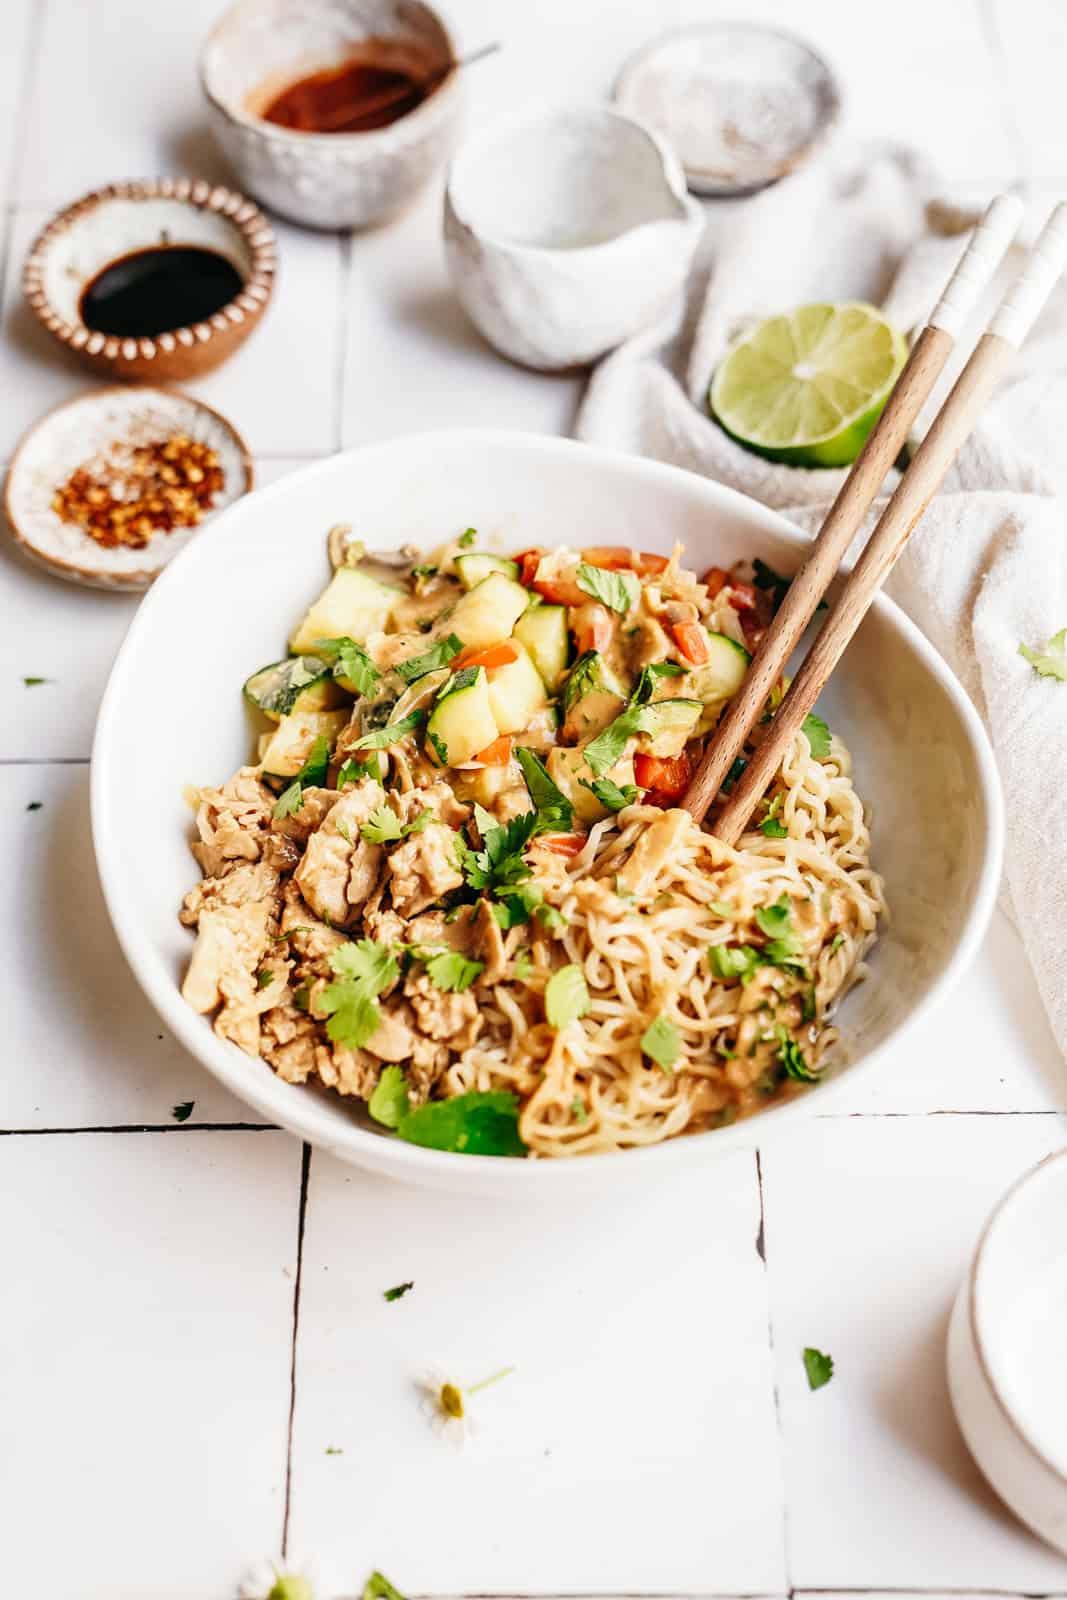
114,221
326,180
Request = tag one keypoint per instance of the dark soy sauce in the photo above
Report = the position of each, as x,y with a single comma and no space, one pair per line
155,290
354,98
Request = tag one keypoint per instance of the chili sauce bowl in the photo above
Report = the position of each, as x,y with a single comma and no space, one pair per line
111,224
1006,1367
914,734
566,232
327,180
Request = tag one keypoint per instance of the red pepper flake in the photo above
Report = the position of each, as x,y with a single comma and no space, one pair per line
130,492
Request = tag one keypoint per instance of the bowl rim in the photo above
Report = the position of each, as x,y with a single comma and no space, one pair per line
199,195
309,1119
371,139
133,582
689,210
989,1366
702,180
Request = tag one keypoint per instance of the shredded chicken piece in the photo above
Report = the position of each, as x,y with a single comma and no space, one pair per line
489,944
288,1042
315,805
348,1071
340,869
243,882
423,869
393,1039
232,821
230,944
443,1015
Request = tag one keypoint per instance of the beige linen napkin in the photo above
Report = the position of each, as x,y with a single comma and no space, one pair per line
986,569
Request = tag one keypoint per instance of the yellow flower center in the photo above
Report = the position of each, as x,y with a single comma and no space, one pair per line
451,1400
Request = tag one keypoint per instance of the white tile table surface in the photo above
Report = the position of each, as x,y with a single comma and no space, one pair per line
196,1361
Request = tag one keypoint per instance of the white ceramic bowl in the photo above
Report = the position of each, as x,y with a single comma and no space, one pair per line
1006,1366
173,715
567,231
326,180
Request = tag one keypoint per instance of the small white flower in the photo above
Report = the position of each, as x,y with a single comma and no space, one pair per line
447,1403
279,1580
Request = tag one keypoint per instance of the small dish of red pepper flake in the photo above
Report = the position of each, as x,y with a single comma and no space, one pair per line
106,489
135,491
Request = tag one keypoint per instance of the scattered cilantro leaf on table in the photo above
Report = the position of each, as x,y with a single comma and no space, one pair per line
476,1123
566,996
183,1112
35,805
31,683
431,660
389,1102
399,1291
819,1367
378,1587
1050,659
662,1043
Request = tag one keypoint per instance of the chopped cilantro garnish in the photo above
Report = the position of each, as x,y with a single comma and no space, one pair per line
522,966
183,1112
449,970
350,661
734,773
772,827
602,752
1048,660
646,682
566,996
582,679
333,1450
578,1111
610,588
836,942
477,1123
399,1290
363,970
264,978
554,811
775,920
467,538
31,683
721,909
439,747
423,571
792,1058
465,678
733,960
392,733
438,655
312,775
383,826
818,735
500,862
610,794
662,1043
343,829
819,1367
389,1102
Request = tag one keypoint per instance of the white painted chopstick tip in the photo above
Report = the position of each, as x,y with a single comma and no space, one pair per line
992,235
1022,305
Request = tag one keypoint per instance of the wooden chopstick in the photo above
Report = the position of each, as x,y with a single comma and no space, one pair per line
924,365
1010,325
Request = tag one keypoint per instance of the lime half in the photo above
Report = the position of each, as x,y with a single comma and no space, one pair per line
807,387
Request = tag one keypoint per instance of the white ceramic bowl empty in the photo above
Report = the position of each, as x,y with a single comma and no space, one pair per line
173,715
1006,1351
566,231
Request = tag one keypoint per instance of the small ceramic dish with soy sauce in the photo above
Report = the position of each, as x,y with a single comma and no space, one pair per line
334,113
155,281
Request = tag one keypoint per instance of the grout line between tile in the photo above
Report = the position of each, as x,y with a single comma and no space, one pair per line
761,1251
44,761
305,1174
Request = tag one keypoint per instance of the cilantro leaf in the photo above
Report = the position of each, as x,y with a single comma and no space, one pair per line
522,965
1048,660
264,978
610,588
355,771
646,681
392,733
499,863
566,996
366,962
602,752
733,961
477,1123
383,826
378,1587
452,972
582,679
350,661
423,571
312,775
467,538
818,735
389,1102
662,1043
610,794
578,1110
819,1367
431,660
775,920
785,952
772,827
399,1291
183,1112
792,1058
31,683
363,970
836,942
554,811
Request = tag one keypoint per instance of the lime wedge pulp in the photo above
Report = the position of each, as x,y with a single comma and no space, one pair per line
808,386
